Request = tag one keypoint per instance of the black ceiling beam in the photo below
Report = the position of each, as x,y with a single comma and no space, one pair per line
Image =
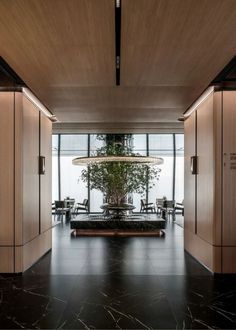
228,73
8,77
117,39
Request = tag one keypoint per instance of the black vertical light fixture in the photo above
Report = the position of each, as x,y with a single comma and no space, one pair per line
117,39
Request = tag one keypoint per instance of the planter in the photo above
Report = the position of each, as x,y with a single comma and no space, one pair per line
116,212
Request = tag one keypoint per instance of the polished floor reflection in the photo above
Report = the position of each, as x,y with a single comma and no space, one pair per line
117,283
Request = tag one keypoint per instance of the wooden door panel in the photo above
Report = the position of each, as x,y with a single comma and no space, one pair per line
7,168
229,168
30,171
206,168
46,179
189,178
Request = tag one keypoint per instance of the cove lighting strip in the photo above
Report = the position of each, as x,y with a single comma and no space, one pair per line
27,92
199,101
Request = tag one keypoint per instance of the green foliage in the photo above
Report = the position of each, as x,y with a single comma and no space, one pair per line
117,179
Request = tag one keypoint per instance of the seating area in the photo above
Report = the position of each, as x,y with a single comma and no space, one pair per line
165,208
69,208
162,207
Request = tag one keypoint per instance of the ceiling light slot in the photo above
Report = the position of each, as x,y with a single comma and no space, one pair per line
117,39
117,3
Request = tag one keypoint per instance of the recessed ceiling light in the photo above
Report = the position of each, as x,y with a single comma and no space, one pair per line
117,62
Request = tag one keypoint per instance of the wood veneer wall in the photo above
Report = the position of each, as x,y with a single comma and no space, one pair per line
46,179
199,197
211,239
189,187
25,232
229,183
7,182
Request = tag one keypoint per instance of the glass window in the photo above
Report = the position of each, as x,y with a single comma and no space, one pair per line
95,143
55,193
72,186
74,145
96,200
161,145
136,201
139,144
179,168
96,196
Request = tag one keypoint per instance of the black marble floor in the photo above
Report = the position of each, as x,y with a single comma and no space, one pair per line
117,283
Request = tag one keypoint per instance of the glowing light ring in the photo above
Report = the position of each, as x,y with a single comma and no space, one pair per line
123,159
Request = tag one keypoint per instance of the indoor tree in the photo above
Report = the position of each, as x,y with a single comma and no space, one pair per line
118,179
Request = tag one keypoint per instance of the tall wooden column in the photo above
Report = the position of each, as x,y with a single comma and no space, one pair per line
213,238
25,203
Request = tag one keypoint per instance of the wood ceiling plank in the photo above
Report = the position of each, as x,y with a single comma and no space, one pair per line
121,115
58,42
148,97
65,51
166,42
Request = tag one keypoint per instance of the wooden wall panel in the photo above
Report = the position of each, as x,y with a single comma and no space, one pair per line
19,259
217,230
229,168
46,179
216,183
199,248
35,249
189,179
6,259
19,176
18,168
30,171
206,167
7,168
229,257
201,236
28,254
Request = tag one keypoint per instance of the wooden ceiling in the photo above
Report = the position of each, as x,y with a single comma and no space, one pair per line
65,52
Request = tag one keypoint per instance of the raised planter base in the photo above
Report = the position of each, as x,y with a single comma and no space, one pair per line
136,226
116,232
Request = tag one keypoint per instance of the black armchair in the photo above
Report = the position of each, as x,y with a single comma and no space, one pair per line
145,207
159,204
180,207
82,206
168,209
60,209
